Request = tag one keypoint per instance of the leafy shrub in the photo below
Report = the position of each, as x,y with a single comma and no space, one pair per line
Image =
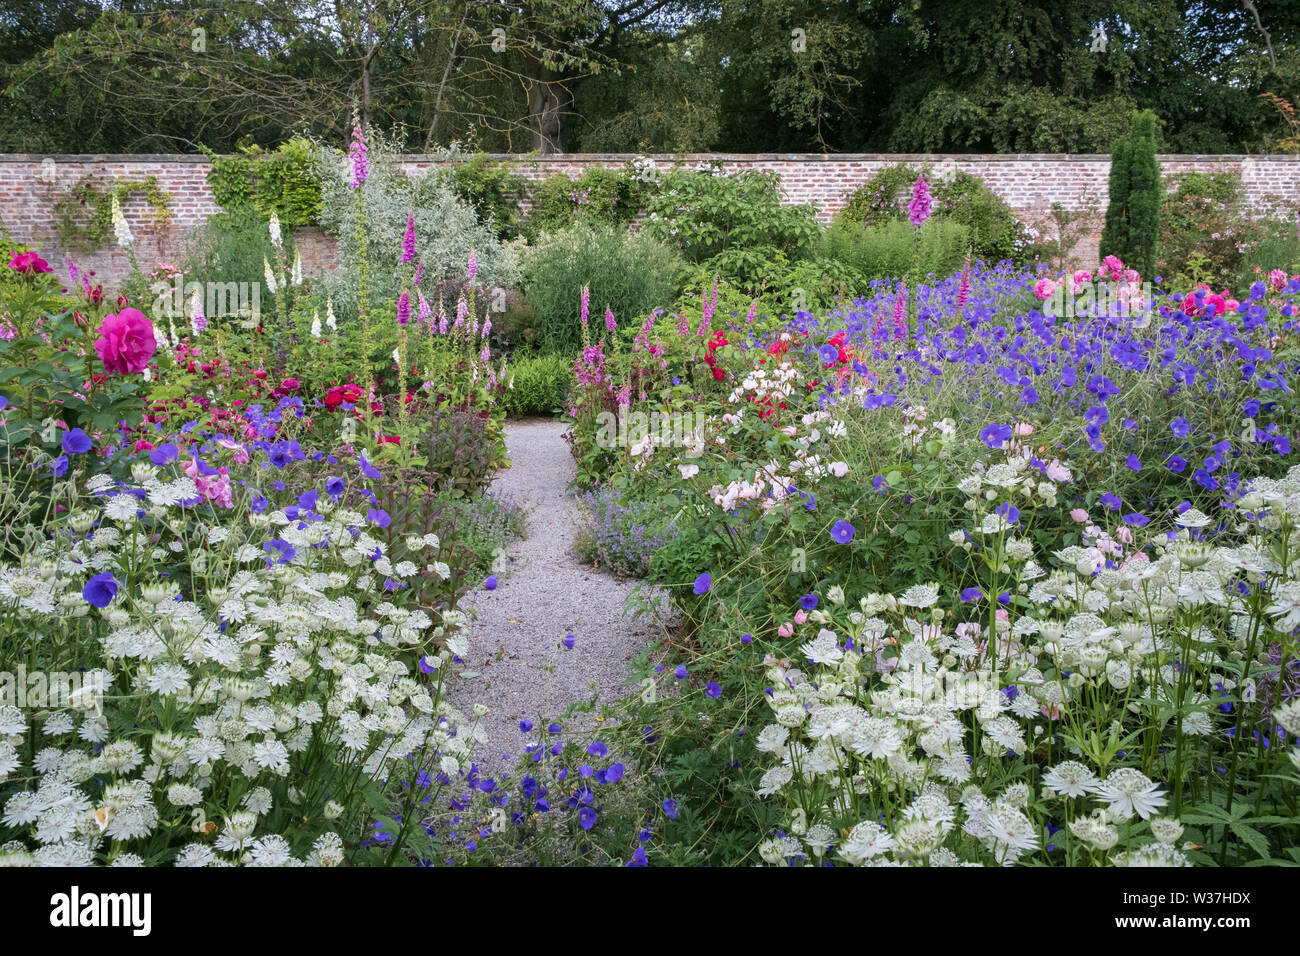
459,452
538,385
232,247
705,214
258,181
599,197
632,273
447,229
1204,227
491,189
995,231
891,249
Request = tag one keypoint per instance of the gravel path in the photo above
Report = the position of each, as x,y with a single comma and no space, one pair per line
544,593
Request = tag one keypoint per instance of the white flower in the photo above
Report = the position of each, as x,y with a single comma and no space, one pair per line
774,779
920,595
1071,778
772,738
1127,791
866,841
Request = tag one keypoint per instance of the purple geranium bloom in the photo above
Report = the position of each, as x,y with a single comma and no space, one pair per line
425,666
586,818
1135,520
808,602
828,354
569,641
100,590
76,442
379,517
279,546
335,486
491,582
670,808
1008,511
614,773
1133,463
1176,464
842,532
971,594
713,690
995,435
638,858
1180,427
598,749
525,726
60,466
680,672
1111,502
703,583
1093,434
164,454
367,469
747,638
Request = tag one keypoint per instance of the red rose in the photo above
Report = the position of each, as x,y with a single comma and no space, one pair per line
126,342
29,263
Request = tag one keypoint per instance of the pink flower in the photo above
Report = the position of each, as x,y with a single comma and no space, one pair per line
472,265
1114,266
800,616
1055,471
1079,515
1044,288
1023,429
785,630
1080,278
408,239
29,263
240,452
126,342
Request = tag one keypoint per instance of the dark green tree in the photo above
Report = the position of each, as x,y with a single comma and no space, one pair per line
1132,228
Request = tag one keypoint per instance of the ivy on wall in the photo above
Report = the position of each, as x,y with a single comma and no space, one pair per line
83,214
261,182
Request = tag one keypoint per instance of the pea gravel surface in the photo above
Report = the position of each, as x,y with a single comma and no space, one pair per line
516,663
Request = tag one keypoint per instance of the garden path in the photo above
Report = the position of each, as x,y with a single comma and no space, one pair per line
543,593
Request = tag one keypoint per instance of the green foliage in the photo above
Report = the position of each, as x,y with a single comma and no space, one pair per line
1132,228
705,214
599,197
631,273
83,214
279,181
1204,224
491,189
893,248
995,232
538,385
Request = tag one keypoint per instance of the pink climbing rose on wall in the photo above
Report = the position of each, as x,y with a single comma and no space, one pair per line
126,342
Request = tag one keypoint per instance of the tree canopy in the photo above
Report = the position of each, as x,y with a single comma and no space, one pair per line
648,75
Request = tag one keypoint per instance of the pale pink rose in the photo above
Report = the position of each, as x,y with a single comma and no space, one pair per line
785,630
126,342
1057,472
1079,515
800,616
1044,288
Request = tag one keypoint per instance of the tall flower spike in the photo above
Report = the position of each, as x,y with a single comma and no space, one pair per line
408,239
586,304
273,227
359,160
472,267
609,319
963,291
426,311
918,210
404,308
198,321
270,276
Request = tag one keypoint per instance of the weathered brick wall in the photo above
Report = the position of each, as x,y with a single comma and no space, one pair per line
30,185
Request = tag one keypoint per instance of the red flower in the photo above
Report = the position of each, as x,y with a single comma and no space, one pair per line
389,440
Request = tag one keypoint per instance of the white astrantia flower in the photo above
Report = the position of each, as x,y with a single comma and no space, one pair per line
920,595
1128,791
1071,779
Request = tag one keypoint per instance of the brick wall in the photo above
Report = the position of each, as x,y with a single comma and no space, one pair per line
30,184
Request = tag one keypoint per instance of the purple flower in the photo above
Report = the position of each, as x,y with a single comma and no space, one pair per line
278,546
164,454
808,602
368,469
525,726
1133,463
638,858
995,435
614,774
408,240
76,442
713,690
703,583
357,156
598,749
1176,464
1180,427
1009,512
378,517
1093,434
1135,520
680,672
335,486
918,210
842,532
553,728
100,590
569,641
1110,501
426,667
747,638
972,594
60,466
828,354
404,308
586,818
670,808
491,582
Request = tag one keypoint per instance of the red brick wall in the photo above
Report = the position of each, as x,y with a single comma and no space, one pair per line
1029,183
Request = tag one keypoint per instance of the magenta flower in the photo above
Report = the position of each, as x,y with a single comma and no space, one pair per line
918,210
404,308
408,239
357,157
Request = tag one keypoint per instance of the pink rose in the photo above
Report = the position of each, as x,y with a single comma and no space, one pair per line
126,342
29,263
1044,288
1079,515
